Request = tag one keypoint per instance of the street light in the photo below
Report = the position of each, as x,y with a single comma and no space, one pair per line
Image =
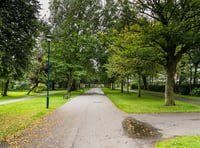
48,73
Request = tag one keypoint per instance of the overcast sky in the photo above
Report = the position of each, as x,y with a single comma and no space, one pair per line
44,8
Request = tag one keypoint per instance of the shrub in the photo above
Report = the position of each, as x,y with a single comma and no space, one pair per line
195,92
183,89
134,86
41,87
21,85
158,88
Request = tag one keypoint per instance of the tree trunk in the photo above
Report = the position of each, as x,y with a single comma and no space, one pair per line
112,85
181,78
169,86
74,85
53,85
144,78
195,75
122,87
139,85
36,85
5,89
69,84
191,78
128,85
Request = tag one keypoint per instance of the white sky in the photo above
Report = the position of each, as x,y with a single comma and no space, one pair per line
44,12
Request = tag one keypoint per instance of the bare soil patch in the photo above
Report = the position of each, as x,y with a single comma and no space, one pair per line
138,129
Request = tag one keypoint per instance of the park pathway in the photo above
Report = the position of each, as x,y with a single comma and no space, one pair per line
196,102
28,97
92,121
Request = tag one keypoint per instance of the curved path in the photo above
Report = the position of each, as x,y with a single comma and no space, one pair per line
196,102
92,121
28,97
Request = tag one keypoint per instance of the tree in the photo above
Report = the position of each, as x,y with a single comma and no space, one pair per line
172,27
75,23
195,61
18,31
129,57
37,72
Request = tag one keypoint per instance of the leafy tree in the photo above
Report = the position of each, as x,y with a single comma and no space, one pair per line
172,27
75,44
37,72
129,58
195,62
18,30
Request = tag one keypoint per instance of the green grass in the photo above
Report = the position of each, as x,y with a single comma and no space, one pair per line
130,103
18,94
180,142
177,95
15,117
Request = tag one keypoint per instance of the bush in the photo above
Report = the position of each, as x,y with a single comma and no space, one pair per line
21,85
41,87
195,92
158,88
183,89
134,86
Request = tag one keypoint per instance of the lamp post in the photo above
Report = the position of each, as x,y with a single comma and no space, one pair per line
48,73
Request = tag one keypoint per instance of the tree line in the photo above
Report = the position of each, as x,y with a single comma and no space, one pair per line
97,41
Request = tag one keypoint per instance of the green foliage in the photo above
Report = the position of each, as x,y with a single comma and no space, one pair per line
38,69
195,92
172,28
41,87
128,58
21,85
75,47
184,89
19,29
180,142
134,86
158,88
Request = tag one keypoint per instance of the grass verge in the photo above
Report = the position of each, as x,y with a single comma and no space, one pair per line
176,95
18,94
14,117
130,103
180,142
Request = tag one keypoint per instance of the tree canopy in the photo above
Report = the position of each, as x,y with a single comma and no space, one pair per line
18,32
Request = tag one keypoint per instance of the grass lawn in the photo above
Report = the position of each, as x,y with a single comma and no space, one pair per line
18,94
177,95
130,103
15,117
180,142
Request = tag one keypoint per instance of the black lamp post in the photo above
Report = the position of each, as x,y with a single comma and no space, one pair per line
48,73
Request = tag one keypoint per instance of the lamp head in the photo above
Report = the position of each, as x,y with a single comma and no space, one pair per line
49,37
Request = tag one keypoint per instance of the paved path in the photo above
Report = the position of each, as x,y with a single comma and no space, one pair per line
29,97
92,121
196,102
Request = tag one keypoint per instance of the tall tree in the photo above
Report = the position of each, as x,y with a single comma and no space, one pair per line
75,23
129,57
172,27
18,31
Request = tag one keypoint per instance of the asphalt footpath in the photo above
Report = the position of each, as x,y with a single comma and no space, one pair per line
196,102
29,97
91,120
